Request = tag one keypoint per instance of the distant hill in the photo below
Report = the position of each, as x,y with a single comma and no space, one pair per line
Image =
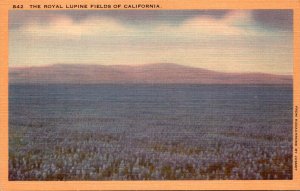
162,73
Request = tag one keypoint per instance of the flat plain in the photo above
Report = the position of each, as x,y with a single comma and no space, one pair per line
149,132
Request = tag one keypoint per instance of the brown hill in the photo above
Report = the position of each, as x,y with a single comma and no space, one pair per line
163,73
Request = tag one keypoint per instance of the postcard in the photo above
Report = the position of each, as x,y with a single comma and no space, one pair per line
149,95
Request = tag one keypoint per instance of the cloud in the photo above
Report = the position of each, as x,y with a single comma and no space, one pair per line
131,17
228,25
281,19
64,26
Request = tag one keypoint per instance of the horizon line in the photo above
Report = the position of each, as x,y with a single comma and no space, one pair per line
142,65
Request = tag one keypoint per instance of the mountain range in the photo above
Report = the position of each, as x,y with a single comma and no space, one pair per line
161,73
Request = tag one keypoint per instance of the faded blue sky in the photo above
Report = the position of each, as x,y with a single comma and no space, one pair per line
221,40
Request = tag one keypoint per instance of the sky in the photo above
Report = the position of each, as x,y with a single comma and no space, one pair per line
220,40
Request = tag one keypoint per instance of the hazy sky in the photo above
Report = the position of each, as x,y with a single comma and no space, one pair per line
230,41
